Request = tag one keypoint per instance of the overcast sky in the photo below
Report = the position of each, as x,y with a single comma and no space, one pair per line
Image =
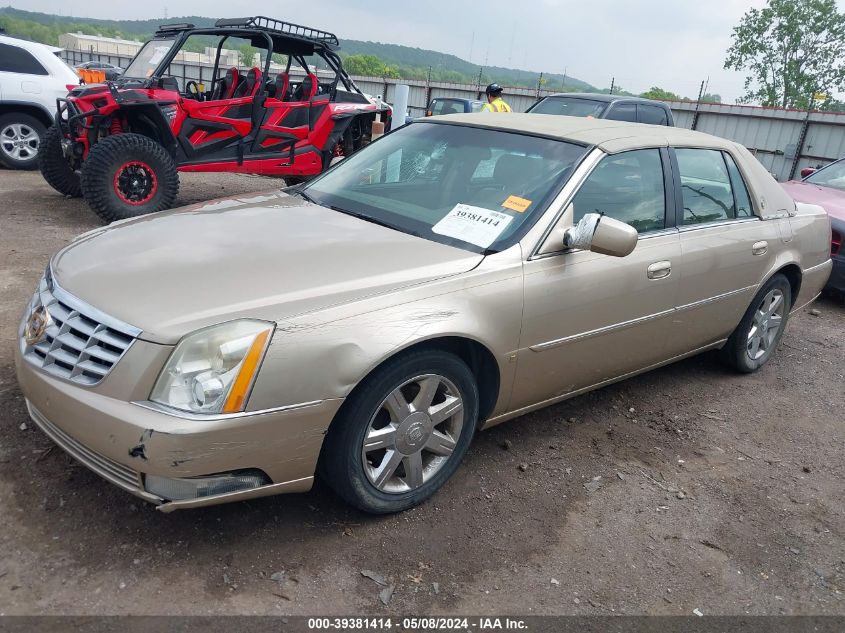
674,44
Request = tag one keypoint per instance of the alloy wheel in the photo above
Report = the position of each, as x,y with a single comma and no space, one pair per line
19,141
135,182
766,324
413,433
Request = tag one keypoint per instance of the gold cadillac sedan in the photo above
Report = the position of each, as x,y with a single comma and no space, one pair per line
457,273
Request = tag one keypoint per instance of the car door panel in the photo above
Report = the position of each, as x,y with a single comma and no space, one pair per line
589,318
213,130
724,259
723,266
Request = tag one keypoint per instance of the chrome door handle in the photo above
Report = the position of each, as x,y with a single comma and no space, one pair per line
760,248
659,270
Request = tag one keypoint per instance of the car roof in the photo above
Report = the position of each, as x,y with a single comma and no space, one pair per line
613,137
32,47
610,136
599,96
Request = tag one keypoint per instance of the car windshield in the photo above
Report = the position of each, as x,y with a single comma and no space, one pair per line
831,176
149,57
569,106
474,188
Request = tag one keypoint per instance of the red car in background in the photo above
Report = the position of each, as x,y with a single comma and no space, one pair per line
826,188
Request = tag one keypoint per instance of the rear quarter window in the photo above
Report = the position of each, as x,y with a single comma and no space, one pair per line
14,59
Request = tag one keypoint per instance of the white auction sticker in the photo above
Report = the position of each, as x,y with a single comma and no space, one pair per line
473,224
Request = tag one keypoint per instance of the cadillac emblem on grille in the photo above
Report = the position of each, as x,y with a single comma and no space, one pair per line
36,325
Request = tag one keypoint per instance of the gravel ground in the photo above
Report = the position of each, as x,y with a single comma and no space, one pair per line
686,488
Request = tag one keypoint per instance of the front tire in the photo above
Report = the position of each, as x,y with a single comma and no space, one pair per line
20,140
758,334
55,168
403,432
127,175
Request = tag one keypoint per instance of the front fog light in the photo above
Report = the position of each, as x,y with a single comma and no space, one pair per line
174,489
213,370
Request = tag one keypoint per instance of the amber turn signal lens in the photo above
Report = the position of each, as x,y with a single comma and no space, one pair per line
236,400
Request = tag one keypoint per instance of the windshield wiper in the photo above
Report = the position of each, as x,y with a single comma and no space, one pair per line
306,196
366,218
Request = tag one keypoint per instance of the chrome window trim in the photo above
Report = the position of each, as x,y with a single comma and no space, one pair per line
199,417
558,206
564,198
684,228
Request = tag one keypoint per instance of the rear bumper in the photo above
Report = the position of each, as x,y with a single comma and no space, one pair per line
837,275
124,442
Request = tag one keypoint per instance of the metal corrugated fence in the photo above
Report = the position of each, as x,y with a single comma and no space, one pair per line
784,141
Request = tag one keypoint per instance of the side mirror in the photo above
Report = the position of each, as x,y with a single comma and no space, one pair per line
807,171
601,234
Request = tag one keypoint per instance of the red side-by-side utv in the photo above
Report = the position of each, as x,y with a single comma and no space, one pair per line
121,144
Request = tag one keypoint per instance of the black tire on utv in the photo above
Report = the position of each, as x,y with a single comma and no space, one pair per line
128,175
55,167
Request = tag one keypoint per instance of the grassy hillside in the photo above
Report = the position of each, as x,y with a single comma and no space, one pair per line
402,61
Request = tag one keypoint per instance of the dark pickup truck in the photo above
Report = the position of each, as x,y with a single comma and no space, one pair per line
602,106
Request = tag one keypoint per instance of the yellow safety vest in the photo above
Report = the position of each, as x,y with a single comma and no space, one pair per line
497,105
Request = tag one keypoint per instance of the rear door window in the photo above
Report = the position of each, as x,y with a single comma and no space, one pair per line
623,112
14,59
654,115
627,187
705,186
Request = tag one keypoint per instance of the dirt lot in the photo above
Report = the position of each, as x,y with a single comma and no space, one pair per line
717,492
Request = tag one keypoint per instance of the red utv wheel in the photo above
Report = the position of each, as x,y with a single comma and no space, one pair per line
55,168
127,175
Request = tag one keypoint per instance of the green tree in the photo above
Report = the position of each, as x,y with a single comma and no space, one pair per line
711,98
246,54
660,95
792,50
369,66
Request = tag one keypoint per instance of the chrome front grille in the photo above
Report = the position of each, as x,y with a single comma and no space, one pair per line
80,343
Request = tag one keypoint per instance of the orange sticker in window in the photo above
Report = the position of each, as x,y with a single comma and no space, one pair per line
515,203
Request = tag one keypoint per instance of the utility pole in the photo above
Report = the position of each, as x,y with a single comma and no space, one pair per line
697,107
539,85
612,84
802,137
564,76
478,82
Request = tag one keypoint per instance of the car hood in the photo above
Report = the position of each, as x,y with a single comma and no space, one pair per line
832,200
270,256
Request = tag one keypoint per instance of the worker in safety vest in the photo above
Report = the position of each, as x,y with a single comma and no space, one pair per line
495,103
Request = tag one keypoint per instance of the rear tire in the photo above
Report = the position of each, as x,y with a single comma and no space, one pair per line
20,140
55,167
758,334
127,175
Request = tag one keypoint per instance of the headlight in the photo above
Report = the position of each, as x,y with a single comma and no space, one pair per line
212,370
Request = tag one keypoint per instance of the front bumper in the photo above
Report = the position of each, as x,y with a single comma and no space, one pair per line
124,442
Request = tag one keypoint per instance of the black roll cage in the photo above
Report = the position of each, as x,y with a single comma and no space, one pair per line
319,47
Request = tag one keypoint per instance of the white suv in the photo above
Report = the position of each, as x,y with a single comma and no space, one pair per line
32,77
